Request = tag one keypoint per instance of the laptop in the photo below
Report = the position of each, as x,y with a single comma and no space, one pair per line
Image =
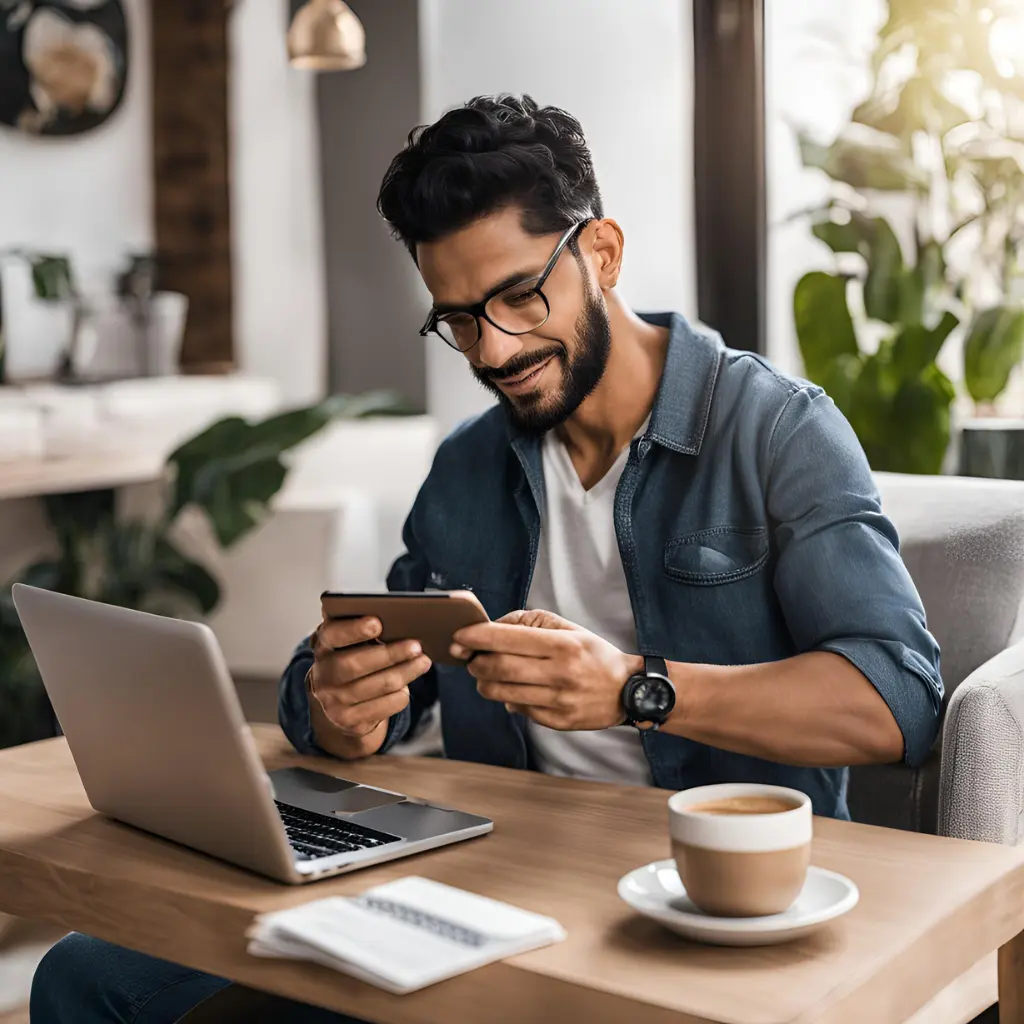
158,736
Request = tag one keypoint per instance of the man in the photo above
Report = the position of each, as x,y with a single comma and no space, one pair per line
639,490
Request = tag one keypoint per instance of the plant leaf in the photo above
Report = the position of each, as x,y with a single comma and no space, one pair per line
233,468
994,347
225,438
916,347
918,106
852,235
76,520
235,494
371,403
83,512
47,574
921,422
839,379
126,563
174,570
288,429
878,165
904,427
824,326
883,284
52,278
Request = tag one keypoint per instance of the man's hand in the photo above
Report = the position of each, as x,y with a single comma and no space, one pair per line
357,683
545,667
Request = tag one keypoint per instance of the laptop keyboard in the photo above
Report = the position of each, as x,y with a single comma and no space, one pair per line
320,835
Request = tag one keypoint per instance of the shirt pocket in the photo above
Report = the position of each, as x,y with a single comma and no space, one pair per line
721,554
492,597
445,579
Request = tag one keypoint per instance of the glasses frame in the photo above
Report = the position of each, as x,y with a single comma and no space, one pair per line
479,309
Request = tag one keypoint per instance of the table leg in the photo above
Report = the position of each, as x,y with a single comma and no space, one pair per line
1011,981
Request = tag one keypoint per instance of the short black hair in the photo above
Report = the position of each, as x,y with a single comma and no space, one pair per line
492,153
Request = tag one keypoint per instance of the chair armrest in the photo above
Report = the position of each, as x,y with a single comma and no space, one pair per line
981,790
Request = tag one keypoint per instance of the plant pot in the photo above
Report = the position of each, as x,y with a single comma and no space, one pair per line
993,448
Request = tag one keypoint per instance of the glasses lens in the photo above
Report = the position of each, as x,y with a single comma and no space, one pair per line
458,330
519,309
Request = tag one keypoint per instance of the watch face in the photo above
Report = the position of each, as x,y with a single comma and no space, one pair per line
651,699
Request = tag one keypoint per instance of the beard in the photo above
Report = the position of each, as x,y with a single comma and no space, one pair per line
537,412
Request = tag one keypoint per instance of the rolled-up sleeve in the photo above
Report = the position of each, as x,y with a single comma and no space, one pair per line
293,702
408,573
839,577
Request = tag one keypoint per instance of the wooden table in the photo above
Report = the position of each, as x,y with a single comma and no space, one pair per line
29,478
930,908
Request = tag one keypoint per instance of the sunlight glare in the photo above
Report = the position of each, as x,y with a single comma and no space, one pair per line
1006,41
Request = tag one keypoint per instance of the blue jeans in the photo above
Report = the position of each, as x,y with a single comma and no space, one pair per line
87,981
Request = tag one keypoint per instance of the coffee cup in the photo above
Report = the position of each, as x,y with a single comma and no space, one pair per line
741,849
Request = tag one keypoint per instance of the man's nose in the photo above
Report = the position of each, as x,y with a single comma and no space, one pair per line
495,347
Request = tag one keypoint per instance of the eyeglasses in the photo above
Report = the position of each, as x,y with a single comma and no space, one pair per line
515,309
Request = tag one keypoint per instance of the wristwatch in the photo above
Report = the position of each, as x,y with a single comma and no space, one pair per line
649,696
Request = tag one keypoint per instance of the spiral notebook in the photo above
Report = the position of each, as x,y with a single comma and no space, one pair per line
404,935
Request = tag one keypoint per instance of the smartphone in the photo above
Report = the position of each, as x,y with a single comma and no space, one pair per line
430,616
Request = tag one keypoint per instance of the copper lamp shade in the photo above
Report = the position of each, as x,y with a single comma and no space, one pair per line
325,35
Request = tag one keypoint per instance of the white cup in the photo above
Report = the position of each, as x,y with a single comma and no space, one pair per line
741,849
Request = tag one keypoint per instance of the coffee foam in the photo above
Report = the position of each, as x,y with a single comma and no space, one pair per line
740,833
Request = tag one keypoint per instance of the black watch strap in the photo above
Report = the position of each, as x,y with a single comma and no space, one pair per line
655,666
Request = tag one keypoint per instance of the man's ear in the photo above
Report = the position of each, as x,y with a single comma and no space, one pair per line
606,245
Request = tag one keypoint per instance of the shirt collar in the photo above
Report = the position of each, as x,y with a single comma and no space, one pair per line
679,418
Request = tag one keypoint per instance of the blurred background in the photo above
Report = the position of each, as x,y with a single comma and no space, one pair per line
213,397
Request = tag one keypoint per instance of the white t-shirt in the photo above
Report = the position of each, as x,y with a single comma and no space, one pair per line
579,576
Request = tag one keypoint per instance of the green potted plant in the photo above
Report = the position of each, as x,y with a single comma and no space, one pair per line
992,445
935,140
52,281
230,472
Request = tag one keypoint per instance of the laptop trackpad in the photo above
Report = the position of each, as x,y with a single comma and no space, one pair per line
326,794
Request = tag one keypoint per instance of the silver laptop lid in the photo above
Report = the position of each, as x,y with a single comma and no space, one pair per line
155,727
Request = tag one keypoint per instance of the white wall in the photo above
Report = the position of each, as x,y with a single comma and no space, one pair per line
623,69
280,306
89,195
92,195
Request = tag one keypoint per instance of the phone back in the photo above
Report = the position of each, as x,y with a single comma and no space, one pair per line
431,617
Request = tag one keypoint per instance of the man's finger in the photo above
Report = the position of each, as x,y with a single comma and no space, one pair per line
511,668
504,638
335,633
360,719
522,695
537,619
352,663
380,684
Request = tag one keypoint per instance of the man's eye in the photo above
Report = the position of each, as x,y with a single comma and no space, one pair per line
519,298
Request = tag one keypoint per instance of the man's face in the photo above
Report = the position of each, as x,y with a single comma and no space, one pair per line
542,377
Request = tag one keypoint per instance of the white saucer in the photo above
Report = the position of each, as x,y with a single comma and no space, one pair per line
656,892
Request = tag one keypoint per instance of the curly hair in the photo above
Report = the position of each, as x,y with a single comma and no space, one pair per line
492,153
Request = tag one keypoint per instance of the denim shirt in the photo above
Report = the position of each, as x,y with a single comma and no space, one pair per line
750,530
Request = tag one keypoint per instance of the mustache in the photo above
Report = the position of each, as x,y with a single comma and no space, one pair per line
519,365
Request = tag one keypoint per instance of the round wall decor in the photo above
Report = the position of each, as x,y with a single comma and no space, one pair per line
63,64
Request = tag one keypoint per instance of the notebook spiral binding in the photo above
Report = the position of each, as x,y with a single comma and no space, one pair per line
426,922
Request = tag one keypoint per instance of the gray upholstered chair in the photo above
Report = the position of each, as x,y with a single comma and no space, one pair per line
963,542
